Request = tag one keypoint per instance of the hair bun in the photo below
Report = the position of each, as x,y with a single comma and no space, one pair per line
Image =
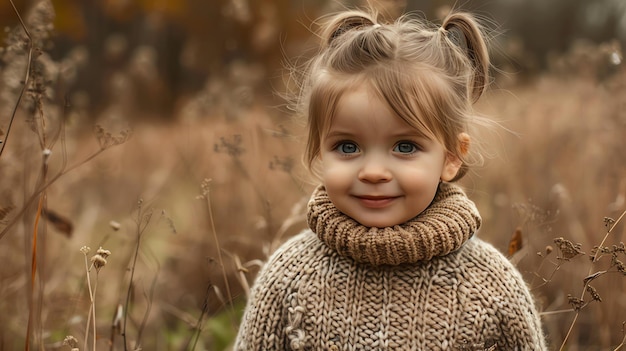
342,24
456,35
465,32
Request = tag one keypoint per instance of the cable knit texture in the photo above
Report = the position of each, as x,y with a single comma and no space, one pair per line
329,289
442,228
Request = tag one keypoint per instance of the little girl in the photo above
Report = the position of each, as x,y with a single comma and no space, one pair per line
391,261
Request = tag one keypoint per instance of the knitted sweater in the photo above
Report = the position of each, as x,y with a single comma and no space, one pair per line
423,285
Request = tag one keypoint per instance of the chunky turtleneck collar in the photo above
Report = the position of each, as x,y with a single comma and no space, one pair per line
449,221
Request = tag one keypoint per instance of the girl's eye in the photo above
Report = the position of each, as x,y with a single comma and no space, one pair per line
405,148
347,148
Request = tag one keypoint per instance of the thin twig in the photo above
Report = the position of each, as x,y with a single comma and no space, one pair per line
595,256
149,297
140,229
93,312
219,252
90,304
33,273
557,266
191,346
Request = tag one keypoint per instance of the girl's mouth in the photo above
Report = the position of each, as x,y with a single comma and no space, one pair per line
376,201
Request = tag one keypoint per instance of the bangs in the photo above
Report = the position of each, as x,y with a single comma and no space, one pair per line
325,92
422,99
325,95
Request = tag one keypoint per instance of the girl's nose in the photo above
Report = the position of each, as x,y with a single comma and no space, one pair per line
374,170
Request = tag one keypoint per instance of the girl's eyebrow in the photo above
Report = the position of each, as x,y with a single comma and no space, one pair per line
338,133
413,133
401,134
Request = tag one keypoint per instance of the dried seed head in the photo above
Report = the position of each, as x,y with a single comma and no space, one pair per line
567,248
99,259
70,341
608,221
232,147
283,164
104,253
600,250
206,188
594,294
619,265
107,140
85,250
576,302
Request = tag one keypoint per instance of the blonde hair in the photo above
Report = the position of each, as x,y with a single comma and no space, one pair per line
429,76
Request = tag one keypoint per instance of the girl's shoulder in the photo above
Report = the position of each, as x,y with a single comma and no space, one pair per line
298,251
481,253
478,248
479,262
303,244
301,241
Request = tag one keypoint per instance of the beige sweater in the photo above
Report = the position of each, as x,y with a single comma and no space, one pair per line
340,288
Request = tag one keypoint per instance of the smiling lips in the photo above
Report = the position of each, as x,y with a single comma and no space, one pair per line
375,201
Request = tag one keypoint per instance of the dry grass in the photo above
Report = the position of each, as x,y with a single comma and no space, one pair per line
562,176
183,249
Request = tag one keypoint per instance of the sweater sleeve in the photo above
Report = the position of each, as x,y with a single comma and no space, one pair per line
267,318
514,306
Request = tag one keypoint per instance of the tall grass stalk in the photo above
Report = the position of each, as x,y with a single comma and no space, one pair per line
33,275
142,221
92,305
191,344
206,193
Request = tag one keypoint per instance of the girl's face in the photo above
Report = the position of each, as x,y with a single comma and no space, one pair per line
376,168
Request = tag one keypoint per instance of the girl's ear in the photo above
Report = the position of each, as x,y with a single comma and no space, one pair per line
453,164
454,168
451,167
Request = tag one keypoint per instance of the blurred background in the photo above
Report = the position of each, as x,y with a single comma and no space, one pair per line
167,138
170,50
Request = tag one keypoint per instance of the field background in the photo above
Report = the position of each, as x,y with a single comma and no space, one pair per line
156,130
